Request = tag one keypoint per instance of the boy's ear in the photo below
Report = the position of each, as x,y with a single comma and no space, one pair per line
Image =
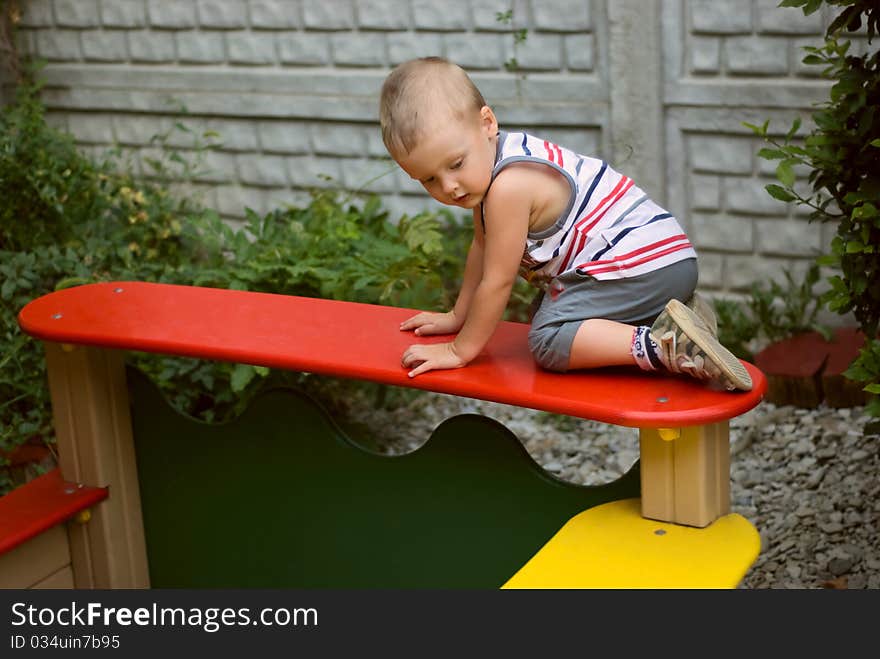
488,121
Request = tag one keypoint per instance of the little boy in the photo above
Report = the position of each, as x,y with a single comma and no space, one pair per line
613,265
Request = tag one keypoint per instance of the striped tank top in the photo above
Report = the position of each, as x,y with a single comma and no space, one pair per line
610,228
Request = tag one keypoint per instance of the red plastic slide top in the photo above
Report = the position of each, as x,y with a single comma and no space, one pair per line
362,341
40,504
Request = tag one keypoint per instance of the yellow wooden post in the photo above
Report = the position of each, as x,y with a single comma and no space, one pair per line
685,473
95,447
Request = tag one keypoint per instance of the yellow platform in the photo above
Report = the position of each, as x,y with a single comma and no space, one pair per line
613,546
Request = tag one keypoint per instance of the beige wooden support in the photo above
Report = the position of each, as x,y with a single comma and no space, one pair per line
43,557
686,473
95,447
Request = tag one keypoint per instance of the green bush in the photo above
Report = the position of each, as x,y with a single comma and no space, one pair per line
68,219
771,312
842,153
330,249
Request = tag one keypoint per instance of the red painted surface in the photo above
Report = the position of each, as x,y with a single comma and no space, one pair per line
40,504
807,354
362,341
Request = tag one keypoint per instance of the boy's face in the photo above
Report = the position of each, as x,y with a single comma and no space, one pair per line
454,160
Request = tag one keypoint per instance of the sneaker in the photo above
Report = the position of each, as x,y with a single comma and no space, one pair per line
687,346
703,308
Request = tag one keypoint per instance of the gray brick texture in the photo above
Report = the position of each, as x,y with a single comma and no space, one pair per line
383,14
77,13
476,51
171,14
291,86
323,15
757,55
222,14
562,15
303,49
453,15
358,49
123,13
275,14
60,45
541,52
37,13
772,19
579,52
250,48
711,16
104,45
199,47
403,46
709,153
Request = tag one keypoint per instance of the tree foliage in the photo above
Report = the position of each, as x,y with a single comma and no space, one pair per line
842,154
69,219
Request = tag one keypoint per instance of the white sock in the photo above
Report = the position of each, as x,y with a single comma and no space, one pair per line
645,350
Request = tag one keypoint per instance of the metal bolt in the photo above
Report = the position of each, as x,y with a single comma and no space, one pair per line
69,490
659,532
663,399
118,290
57,316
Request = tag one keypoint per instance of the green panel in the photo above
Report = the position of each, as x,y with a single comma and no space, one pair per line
280,498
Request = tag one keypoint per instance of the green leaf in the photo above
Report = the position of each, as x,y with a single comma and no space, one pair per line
865,211
812,6
242,374
27,428
70,282
771,154
854,246
758,130
7,289
780,193
785,173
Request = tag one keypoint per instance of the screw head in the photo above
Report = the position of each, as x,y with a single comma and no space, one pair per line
663,399
56,316
118,290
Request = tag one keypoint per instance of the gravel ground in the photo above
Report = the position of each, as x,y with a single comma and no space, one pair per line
808,479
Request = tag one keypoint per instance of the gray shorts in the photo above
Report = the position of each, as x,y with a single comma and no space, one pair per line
634,300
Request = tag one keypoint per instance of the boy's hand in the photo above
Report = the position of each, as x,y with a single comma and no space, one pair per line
429,322
429,357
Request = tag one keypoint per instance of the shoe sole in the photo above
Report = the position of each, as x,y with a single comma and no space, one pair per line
703,308
691,324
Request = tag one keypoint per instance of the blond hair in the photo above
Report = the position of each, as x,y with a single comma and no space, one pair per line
418,91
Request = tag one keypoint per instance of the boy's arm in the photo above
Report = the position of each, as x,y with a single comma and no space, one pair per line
507,223
473,272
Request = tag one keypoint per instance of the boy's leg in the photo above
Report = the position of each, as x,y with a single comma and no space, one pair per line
679,341
587,323
599,343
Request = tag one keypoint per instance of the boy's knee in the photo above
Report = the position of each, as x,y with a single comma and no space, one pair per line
544,344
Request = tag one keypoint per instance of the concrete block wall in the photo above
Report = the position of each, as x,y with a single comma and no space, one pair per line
726,63
660,88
